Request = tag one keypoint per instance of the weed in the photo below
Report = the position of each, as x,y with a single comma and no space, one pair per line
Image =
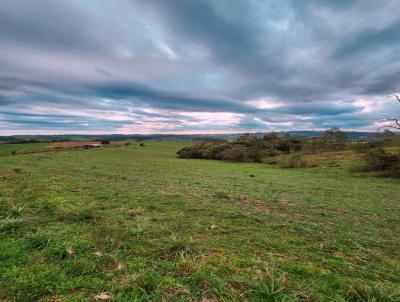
221,195
360,292
11,225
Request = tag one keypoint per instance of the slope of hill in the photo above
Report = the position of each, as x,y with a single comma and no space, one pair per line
138,224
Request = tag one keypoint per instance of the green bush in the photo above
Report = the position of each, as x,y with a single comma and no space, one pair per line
254,149
189,152
382,142
381,161
237,151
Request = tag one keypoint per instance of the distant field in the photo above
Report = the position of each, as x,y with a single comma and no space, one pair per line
135,223
7,149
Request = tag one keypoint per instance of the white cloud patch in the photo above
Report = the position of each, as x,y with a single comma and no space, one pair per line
165,49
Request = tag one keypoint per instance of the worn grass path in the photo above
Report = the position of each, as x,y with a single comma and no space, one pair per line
138,224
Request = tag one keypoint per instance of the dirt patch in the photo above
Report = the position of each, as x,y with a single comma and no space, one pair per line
5,174
285,202
246,205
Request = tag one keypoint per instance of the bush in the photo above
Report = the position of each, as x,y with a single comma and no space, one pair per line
189,152
246,149
289,144
379,160
382,142
256,154
237,152
330,140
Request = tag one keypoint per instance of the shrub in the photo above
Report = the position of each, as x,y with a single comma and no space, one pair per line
382,142
256,154
104,142
379,160
237,152
334,139
246,149
289,144
189,152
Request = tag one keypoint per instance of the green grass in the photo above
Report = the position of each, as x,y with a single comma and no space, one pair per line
141,225
7,149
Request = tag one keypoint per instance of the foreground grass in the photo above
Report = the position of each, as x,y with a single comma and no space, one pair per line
137,224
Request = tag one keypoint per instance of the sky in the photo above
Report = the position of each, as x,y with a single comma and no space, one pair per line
197,66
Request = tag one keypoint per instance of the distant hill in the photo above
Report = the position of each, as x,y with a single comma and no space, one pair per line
352,135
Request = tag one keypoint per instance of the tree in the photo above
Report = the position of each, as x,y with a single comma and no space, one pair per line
387,133
272,136
288,144
334,138
395,121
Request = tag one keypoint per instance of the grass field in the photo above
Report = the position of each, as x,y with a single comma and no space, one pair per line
7,149
137,224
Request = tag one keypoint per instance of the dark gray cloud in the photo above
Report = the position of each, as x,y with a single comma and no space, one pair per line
176,66
369,40
45,24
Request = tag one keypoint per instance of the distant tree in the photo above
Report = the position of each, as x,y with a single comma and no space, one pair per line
388,133
245,136
249,140
378,158
334,138
104,142
272,136
395,121
288,144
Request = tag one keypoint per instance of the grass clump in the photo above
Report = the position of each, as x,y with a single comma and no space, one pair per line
36,241
85,215
11,225
360,292
221,195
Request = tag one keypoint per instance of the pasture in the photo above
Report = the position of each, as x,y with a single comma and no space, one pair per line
136,223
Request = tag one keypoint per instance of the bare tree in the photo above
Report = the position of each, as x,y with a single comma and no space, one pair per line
395,122
396,96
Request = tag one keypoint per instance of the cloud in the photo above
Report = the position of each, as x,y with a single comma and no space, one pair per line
196,66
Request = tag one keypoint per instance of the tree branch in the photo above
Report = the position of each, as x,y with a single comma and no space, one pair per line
396,96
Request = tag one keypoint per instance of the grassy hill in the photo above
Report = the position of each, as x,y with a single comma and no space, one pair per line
138,224
351,135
